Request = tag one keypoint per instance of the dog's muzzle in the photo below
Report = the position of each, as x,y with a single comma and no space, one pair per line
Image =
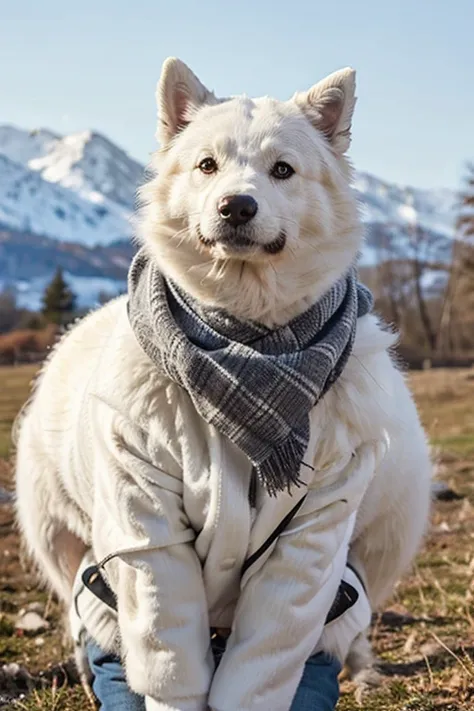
237,241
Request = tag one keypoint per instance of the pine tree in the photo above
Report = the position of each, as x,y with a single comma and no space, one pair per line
58,300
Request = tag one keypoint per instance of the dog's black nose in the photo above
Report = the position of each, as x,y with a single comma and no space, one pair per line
237,209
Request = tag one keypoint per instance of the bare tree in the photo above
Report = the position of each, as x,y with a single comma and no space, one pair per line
462,303
427,260
8,310
420,263
465,221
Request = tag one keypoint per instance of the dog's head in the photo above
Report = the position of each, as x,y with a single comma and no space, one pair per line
251,208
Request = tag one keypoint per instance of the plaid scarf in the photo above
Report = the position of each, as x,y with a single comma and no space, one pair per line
256,385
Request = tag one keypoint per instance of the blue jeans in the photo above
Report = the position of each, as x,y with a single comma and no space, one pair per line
318,689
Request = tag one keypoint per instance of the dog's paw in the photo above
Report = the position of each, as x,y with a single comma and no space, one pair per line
366,681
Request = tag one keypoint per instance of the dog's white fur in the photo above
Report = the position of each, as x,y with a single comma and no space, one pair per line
317,211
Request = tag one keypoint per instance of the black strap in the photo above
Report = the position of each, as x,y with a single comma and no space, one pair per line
346,598
273,536
95,582
347,595
357,574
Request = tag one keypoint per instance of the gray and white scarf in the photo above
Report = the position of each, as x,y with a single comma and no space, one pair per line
256,385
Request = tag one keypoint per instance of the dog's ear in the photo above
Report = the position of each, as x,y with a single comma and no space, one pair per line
178,95
329,105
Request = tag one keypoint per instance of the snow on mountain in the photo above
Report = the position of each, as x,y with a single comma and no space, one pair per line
405,206
90,165
22,146
395,216
32,204
77,188
85,162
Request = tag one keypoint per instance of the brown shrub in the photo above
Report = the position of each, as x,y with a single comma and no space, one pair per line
27,344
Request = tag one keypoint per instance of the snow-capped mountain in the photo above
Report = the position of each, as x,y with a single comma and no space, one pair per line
90,165
87,163
30,203
383,203
79,190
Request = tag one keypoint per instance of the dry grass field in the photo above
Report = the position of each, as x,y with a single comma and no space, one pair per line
424,638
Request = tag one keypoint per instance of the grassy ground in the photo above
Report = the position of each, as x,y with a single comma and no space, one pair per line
14,389
425,636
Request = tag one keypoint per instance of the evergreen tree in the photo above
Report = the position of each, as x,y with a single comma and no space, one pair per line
58,300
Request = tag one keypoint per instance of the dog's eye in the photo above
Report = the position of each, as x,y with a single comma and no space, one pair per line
207,166
282,170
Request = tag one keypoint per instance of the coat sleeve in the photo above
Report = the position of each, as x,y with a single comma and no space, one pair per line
162,611
284,603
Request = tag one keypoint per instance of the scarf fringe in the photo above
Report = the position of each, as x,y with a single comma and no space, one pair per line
280,471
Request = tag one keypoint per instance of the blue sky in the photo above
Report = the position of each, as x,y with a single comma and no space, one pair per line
70,66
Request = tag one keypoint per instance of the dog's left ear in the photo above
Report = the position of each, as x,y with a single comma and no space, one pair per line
329,105
178,95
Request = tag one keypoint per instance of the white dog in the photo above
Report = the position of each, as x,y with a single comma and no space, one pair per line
250,210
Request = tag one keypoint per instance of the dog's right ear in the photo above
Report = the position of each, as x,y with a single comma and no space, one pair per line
179,94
